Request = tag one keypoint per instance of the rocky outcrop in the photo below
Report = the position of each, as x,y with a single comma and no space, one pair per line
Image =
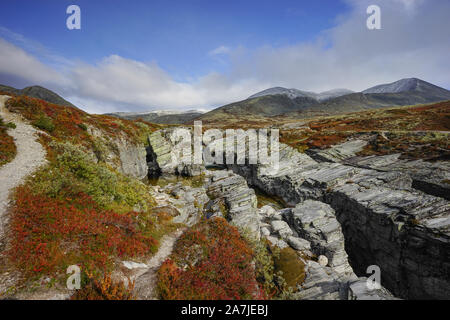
313,231
186,204
384,220
132,159
239,199
358,290
316,222
165,155
338,152
430,177
127,157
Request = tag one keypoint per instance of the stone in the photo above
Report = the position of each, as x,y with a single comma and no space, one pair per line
275,241
430,177
323,261
299,244
387,211
379,209
265,232
165,155
316,222
358,290
281,228
134,265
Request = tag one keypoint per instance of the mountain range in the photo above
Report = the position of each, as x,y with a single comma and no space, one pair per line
160,116
295,93
280,102
295,103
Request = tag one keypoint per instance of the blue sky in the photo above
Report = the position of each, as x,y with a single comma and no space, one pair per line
201,54
176,34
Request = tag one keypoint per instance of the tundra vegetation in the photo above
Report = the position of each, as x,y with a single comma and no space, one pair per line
79,209
7,146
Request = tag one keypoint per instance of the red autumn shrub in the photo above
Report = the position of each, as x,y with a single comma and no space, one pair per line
70,123
210,261
50,234
104,289
7,146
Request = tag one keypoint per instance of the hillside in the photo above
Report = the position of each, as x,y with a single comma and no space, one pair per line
294,93
257,108
37,92
160,117
292,103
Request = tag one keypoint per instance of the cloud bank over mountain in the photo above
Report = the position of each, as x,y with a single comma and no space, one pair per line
413,42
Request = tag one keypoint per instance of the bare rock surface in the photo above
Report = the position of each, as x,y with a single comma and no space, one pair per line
430,177
385,221
383,215
340,151
165,155
239,199
129,158
316,222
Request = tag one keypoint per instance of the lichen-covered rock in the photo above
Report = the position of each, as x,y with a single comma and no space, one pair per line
184,203
358,290
338,152
321,284
122,154
316,222
165,155
240,200
430,177
385,221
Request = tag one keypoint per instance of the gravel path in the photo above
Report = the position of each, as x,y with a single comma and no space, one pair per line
30,156
146,278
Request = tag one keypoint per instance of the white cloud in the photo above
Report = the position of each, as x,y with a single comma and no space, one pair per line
16,62
413,42
220,50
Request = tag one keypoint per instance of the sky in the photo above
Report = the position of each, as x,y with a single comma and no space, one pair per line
151,55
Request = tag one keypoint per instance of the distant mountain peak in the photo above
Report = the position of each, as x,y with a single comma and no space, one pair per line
403,85
295,93
291,93
39,93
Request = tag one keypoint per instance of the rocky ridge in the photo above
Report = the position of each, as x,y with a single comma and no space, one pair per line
312,226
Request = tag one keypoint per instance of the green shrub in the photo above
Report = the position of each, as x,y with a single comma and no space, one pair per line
77,171
44,123
11,125
82,126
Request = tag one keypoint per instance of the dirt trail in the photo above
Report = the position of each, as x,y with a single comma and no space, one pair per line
30,156
146,277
